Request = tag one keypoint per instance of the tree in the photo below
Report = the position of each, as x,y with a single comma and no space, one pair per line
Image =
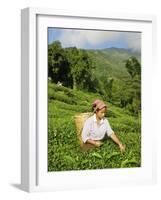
72,55
107,86
58,66
134,95
71,66
133,66
80,68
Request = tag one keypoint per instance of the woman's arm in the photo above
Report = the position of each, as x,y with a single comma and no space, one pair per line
117,141
96,143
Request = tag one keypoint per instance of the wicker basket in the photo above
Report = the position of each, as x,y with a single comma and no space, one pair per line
79,122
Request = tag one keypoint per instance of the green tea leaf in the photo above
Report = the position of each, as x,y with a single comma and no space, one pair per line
112,155
97,155
85,161
125,162
69,159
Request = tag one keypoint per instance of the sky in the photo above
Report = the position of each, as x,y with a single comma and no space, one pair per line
95,39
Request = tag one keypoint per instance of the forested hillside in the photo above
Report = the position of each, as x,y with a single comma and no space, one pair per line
113,73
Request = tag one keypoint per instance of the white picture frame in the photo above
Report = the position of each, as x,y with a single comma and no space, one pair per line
34,175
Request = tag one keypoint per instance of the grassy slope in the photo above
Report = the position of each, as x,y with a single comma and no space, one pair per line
111,61
64,152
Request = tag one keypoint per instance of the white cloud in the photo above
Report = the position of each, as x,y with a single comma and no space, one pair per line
80,38
97,37
133,41
72,38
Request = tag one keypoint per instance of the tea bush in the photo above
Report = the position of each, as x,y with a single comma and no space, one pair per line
64,152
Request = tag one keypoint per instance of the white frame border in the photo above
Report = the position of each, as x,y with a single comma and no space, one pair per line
29,143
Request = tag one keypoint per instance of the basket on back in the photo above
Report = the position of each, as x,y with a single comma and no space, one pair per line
79,121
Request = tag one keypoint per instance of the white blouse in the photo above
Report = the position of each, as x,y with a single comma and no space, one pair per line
94,130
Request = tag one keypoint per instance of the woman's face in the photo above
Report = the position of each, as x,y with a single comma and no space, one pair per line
101,113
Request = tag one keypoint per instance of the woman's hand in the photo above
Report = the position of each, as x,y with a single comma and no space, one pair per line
98,143
117,141
122,147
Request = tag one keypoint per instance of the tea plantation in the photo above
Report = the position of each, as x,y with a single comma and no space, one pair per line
64,152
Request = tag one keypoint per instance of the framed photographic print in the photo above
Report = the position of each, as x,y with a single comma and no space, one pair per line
86,103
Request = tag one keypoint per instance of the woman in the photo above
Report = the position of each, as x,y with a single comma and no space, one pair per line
97,127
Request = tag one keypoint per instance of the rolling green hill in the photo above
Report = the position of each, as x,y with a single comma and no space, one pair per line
113,73
111,61
110,65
